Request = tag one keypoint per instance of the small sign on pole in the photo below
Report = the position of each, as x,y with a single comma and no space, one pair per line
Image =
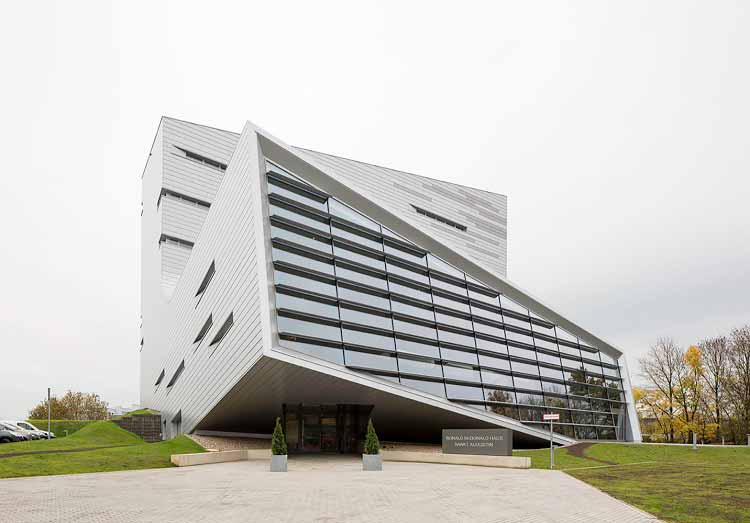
551,418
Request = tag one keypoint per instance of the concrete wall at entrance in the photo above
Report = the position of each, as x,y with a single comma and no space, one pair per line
512,462
508,462
206,458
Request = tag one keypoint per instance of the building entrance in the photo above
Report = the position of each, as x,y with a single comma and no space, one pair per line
325,428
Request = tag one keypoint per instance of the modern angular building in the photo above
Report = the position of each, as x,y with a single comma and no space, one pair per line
279,281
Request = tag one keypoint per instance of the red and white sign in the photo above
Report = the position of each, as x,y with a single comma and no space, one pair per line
551,417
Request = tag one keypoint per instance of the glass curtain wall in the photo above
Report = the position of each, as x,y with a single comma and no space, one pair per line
352,292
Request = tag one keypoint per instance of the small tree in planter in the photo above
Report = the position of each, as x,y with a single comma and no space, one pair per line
371,459
278,449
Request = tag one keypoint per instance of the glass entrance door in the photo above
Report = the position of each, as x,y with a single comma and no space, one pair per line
325,428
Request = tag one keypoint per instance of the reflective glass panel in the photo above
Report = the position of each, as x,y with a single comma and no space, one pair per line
298,196
498,332
455,288
309,262
495,363
431,387
311,242
496,378
299,216
365,278
324,352
373,300
414,347
366,319
551,373
360,239
461,373
415,329
439,265
296,303
337,208
527,383
525,368
491,345
407,290
306,328
410,309
459,355
541,356
348,253
451,303
490,314
509,411
368,339
464,392
480,296
406,254
525,398
455,337
421,367
454,321
308,284
406,272
370,361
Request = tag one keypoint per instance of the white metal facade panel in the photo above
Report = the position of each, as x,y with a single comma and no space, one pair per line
181,218
484,214
228,238
173,259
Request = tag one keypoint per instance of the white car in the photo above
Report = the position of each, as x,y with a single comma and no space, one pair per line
28,426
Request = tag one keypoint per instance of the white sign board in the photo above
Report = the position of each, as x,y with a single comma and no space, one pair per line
551,417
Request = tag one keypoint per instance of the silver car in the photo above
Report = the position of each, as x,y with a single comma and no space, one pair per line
25,435
28,426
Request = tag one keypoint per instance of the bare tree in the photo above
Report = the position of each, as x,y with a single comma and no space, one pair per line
715,355
738,384
663,366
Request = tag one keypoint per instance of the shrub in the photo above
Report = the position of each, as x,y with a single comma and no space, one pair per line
278,441
372,444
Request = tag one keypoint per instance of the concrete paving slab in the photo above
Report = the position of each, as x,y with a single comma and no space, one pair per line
316,488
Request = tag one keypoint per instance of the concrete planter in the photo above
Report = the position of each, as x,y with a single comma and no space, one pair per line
278,463
372,462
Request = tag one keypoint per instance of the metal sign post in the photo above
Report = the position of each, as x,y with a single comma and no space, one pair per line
551,418
49,415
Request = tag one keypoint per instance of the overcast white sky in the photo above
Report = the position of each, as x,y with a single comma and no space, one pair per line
618,130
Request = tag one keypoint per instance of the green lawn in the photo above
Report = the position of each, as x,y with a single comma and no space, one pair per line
59,426
121,450
677,484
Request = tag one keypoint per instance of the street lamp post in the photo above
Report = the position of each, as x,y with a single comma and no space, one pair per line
49,415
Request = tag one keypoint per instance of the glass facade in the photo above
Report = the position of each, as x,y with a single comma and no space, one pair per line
354,293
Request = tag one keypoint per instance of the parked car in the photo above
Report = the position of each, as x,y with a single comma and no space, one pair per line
8,436
13,432
28,426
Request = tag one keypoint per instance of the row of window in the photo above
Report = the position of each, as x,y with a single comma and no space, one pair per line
439,218
346,302
190,155
352,292
429,288
475,369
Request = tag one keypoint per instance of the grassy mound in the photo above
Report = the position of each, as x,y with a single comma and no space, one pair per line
59,426
95,434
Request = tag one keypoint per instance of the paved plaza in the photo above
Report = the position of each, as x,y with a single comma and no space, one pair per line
316,489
